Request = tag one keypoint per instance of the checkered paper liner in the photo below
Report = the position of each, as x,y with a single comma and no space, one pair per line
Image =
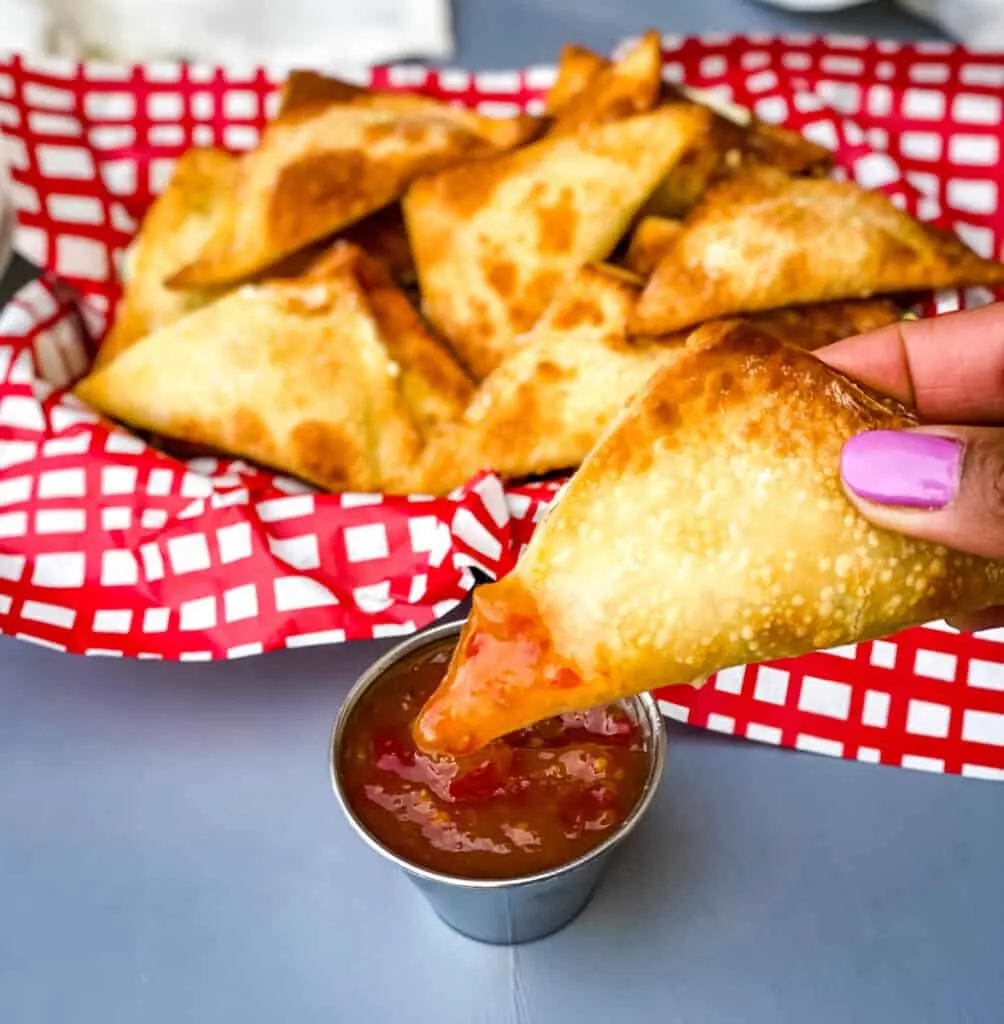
109,547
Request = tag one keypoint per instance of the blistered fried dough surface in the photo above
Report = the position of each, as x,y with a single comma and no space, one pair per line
764,241
173,231
630,86
494,240
290,374
323,166
708,528
548,403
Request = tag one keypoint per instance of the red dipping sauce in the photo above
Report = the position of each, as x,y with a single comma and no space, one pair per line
531,801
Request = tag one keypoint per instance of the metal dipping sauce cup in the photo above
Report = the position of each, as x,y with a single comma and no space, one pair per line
503,911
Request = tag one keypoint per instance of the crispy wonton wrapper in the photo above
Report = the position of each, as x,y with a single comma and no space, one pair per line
328,161
735,139
173,231
432,382
763,241
178,224
734,143
546,406
310,90
292,374
613,91
495,239
577,67
708,528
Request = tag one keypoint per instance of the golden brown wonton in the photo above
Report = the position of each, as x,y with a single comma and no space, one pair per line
173,231
495,240
708,528
764,240
329,160
293,374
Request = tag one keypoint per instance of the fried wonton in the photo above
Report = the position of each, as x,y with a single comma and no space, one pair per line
734,143
290,374
577,67
173,231
545,407
708,528
309,90
547,404
631,85
649,240
735,139
323,165
764,240
432,382
495,240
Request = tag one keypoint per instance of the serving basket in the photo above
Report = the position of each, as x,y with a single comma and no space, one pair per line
110,547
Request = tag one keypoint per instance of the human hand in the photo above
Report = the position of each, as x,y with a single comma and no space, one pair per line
940,483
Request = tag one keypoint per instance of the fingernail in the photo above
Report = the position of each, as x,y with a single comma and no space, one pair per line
897,467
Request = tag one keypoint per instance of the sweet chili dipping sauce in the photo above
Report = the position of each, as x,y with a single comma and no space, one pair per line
533,800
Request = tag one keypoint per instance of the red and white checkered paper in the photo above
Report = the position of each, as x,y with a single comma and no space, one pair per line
109,547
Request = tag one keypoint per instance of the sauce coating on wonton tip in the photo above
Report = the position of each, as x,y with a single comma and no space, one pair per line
504,675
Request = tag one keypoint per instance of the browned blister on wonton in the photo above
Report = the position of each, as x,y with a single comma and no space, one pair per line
495,240
763,240
545,406
323,165
291,374
708,528
174,229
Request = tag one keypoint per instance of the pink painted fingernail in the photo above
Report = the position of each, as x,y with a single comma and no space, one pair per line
899,467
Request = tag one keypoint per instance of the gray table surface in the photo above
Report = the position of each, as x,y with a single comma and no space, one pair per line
170,851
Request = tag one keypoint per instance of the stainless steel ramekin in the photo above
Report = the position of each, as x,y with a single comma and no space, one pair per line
511,910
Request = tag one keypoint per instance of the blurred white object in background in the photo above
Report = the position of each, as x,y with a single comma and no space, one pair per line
977,23
325,34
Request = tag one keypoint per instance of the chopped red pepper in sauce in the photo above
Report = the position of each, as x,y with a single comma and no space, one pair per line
527,802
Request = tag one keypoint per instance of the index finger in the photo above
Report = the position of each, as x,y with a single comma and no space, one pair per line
949,368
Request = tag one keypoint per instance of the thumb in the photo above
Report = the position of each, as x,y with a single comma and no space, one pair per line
940,484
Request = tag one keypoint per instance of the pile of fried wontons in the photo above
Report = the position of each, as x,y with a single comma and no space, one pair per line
391,293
